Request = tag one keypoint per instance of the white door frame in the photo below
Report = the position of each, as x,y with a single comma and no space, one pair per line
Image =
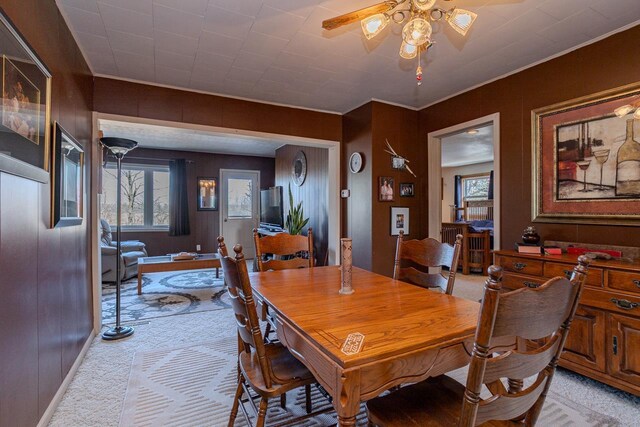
222,199
434,153
333,208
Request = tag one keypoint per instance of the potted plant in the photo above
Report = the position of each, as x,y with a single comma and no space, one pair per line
295,221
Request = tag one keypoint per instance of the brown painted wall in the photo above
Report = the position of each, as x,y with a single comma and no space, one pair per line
607,64
153,102
314,191
204,225
46,307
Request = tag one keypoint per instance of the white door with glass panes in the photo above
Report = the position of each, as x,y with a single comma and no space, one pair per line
239,198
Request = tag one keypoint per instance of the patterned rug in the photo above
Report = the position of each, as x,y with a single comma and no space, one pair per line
165,294
194,386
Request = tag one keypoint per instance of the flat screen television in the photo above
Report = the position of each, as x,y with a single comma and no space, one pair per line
271,209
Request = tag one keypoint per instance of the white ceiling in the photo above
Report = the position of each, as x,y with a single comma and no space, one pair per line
466,149
170,138
276,50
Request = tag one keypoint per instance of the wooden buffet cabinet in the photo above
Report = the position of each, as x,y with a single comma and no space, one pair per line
604,340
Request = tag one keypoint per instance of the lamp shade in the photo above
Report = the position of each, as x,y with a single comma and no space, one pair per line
118,145
461,20
408,51
417,31
372,25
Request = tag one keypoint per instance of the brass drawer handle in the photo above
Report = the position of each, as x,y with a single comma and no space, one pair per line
636,282
519,265
531,285
624,304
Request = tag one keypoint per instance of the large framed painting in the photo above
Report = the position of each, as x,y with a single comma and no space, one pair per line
25,106
67,185
586,160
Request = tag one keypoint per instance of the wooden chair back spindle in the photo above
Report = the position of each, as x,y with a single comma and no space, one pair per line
291,251
543,313
414,257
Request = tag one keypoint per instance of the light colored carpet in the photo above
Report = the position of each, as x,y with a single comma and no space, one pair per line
165,294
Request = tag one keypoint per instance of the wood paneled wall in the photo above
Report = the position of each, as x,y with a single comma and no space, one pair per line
46,307
153,102
205,225
314,192
606,64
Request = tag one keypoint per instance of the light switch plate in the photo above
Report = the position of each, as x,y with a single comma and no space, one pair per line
345,193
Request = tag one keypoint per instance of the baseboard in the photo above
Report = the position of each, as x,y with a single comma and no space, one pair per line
48,414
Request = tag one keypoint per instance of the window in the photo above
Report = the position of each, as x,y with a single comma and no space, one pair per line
475,187
145,196
239,198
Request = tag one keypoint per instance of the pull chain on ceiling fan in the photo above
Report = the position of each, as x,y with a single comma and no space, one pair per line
416,33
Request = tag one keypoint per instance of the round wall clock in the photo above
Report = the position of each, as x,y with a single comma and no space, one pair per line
299,168
355,162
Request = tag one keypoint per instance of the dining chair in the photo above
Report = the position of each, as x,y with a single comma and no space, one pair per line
285,251
414,257
270,370
540,316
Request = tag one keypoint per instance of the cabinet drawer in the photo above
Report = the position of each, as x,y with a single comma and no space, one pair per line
553,269
513,281
520,265
612,301
624,281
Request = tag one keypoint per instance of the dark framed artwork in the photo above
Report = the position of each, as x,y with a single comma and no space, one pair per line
385,189
67,184
587,160
406,189
207,194
399,220
25,109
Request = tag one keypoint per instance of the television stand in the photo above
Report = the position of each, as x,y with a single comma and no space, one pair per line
270,231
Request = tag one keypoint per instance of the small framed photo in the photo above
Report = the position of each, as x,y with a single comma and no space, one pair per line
406,189
385,189
399,221
207,194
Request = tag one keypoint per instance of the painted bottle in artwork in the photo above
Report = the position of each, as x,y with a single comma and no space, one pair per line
628,165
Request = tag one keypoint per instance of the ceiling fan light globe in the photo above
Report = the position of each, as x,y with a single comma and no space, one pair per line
423,5
417,32
461,20
623,111
372,25
408,51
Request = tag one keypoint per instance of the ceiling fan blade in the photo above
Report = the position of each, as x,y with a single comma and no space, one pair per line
358,15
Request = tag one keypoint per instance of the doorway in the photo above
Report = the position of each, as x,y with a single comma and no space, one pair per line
239,190
436,139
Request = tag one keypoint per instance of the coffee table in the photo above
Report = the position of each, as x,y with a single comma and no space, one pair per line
155,264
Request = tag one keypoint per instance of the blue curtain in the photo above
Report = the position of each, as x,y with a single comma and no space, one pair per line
457,195
178,199
490,196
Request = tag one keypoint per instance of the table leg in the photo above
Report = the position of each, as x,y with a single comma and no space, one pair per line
139,282
347,399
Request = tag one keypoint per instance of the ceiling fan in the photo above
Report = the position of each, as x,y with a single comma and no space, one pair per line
416,33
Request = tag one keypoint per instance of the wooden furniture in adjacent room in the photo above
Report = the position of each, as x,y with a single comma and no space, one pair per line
269,369
414,257
384,334
476,246
543,313
155,264
290,251
605,336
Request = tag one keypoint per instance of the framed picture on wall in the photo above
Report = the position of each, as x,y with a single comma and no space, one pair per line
586,158
67,184
25,107
399,220
385,189
207,194
406,189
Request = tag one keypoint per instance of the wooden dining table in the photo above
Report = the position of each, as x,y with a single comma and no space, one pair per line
384,334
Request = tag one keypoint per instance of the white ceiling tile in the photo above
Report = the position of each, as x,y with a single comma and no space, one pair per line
271,86
125,20
308,45
172,76
86,5
198,7
243,75
244,7
201,75
103,63
561,9
302,8
622,7
276,23
212,60
290,61
174,60
142,6
131,43
172,42
230,24
316,75
177,21
263,44
93,43
135,66
588,21
86,22
281,75
252,61
219,44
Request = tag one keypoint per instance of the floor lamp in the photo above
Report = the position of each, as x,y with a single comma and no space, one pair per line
118,147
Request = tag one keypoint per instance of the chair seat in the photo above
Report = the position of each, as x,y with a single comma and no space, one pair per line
433,402
288,370
131,258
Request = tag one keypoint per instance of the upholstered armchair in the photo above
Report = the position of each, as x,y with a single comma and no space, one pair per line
131,251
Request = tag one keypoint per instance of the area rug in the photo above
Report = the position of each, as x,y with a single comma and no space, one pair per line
165,294
194,386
